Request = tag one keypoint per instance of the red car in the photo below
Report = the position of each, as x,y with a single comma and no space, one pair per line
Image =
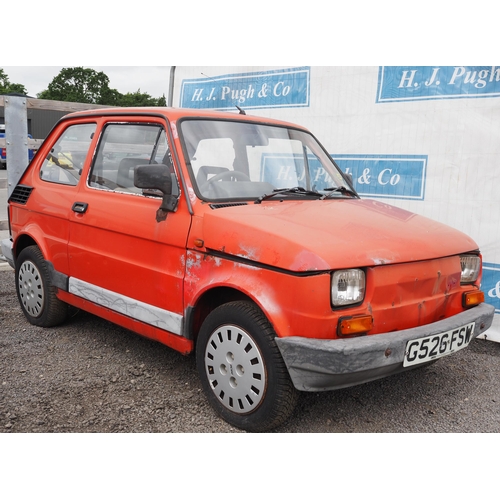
237,238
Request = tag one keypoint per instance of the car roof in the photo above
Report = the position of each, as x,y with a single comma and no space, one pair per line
174,114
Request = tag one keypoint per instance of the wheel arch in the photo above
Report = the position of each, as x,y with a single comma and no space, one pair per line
210,300
22,242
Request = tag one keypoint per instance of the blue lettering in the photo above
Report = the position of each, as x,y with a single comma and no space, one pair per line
403,83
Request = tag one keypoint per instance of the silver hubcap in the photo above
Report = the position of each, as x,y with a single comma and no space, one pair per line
235,369
31,289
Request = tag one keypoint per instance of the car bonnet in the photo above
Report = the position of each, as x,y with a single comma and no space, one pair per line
314,235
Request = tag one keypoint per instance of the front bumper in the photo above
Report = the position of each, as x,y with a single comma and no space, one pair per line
323,365
8,252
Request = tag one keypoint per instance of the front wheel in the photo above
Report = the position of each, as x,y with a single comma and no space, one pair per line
35,293
241,369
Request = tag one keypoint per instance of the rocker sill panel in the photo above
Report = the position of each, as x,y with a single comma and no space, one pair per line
159,318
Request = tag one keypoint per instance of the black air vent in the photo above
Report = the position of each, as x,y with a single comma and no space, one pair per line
215,206
21,194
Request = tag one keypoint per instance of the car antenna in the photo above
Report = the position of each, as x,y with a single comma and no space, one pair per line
242,111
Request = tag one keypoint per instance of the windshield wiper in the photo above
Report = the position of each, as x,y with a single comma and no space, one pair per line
285,191
339,189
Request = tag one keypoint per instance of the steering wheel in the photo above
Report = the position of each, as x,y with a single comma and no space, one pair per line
230,174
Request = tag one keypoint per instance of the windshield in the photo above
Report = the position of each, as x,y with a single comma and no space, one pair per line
232,160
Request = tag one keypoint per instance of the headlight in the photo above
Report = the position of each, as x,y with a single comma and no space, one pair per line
471,266
348,287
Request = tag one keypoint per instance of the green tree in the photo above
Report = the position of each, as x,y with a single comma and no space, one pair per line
140,99
86,85
80,84
10,88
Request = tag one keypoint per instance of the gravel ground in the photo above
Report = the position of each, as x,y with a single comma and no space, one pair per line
90,376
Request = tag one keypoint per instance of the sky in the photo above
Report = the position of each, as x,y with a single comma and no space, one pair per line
136,49
152,80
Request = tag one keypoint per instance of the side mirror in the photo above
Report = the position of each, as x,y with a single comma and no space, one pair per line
157,177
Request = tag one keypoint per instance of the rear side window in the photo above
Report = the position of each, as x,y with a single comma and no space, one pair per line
121,149
64,163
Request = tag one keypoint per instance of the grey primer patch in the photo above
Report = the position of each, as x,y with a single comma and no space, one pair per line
152,315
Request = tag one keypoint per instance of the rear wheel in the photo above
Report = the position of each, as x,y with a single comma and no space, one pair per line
37,297
241,369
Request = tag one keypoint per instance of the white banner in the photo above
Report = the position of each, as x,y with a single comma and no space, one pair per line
423,138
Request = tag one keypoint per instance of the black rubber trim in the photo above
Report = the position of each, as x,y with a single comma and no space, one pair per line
260,265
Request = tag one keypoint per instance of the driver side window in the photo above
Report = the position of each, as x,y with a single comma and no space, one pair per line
122,148
64,163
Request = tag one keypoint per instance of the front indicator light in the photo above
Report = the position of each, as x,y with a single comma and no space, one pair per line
471,299
354,325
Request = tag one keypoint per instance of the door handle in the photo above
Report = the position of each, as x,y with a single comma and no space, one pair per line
79,207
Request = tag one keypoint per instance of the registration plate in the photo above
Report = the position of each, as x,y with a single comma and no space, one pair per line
436,346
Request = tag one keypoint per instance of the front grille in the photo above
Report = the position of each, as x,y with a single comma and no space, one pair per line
20,194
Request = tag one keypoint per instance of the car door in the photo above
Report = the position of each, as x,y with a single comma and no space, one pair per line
120,257
55,182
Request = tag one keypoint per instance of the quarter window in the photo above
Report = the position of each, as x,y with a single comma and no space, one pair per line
64,163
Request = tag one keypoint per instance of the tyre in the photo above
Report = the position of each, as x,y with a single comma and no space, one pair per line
35,293
242,372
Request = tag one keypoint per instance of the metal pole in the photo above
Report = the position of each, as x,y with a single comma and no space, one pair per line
16,138
171,87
